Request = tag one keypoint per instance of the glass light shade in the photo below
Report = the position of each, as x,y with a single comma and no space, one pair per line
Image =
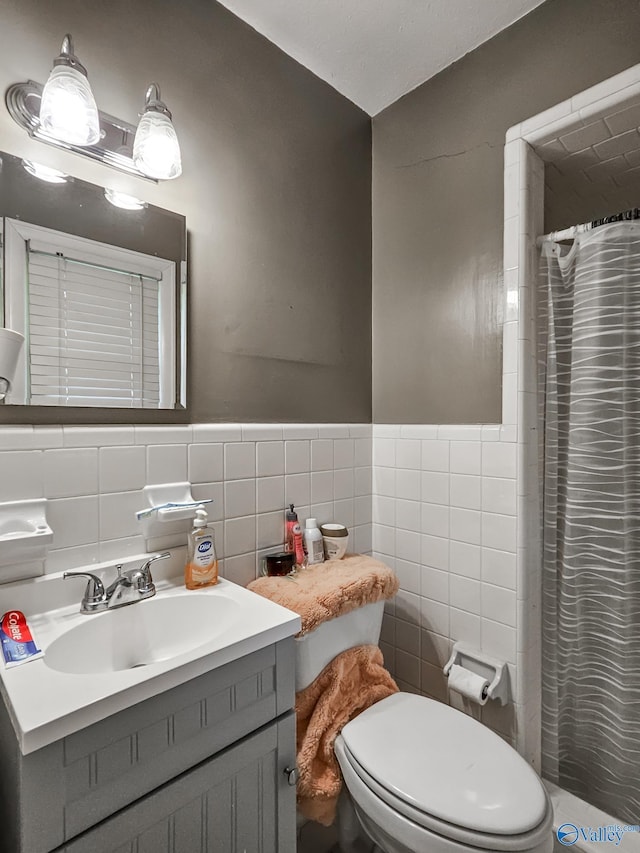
126,202
156,150
45,173
68,109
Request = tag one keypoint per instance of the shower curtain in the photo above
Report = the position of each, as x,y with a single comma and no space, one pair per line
589,358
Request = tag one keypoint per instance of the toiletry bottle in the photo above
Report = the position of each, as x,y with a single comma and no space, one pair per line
290,523
298,546
313,541
201,568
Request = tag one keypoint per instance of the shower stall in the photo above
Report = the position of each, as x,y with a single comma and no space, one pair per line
578,419
589,451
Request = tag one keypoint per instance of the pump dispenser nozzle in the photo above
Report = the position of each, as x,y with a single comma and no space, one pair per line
292,515
201,517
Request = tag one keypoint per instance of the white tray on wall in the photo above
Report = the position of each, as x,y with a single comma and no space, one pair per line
168,526
25,539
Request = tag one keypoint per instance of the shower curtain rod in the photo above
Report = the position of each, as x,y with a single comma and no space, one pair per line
570,233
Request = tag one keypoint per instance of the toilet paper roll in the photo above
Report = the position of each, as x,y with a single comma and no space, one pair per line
468,684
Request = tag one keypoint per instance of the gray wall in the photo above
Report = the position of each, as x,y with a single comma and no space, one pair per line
276,190
438,211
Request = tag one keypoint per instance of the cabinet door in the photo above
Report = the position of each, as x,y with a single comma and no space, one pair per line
237,802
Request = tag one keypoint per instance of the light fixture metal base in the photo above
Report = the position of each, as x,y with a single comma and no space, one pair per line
114,149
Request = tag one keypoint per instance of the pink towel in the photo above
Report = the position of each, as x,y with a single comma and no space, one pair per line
350,683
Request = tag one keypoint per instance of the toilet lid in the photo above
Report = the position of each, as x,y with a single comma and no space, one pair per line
447,765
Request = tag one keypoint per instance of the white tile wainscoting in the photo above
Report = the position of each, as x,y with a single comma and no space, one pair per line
444,516
92,478
442,499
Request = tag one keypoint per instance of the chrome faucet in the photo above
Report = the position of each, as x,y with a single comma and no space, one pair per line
128,588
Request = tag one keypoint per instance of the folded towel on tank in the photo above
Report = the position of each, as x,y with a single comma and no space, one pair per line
330,589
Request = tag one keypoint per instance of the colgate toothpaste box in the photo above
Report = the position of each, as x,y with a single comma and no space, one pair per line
18,645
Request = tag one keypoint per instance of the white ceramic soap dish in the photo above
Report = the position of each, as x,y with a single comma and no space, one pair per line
25,536
169,515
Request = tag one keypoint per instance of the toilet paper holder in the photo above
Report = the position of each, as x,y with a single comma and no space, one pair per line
495,671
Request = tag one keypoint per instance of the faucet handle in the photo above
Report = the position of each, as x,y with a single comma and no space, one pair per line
94,597
145,582
146,567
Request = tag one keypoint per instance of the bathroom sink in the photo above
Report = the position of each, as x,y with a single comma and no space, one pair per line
94,666
141,634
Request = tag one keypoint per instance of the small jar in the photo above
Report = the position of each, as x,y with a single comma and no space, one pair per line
336,540
278,565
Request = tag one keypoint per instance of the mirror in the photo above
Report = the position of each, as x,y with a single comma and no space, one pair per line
98,290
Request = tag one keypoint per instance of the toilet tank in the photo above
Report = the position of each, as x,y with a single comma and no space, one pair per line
317,648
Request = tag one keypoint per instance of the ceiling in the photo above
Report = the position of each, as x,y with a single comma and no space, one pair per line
593,169
374,51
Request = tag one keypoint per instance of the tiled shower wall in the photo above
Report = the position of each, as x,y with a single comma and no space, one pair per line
92,478
444,516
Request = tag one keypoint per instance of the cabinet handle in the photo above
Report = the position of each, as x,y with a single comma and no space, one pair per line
292,775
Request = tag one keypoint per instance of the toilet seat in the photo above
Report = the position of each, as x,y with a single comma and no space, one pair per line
478,793
401,820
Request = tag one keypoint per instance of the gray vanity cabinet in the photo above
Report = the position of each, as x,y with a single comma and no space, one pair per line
230,803
196,769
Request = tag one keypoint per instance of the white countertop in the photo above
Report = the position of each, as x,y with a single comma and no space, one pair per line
46,704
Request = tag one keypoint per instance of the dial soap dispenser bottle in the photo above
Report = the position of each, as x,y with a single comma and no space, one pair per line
201,568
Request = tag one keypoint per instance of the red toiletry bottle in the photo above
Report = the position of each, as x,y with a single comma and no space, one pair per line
298,544
294,542
292,520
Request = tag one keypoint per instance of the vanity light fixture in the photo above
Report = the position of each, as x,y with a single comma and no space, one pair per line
64,114
124,201
45,173
68,110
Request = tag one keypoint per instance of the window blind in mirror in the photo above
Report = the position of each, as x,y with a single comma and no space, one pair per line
93,332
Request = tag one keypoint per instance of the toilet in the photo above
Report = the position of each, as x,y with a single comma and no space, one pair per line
423,777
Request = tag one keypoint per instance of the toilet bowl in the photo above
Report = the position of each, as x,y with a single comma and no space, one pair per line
425,778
